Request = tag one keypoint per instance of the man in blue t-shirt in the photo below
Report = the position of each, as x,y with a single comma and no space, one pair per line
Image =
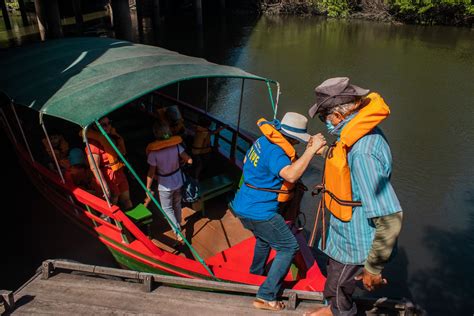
266,166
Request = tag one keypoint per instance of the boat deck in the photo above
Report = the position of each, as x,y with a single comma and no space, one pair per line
69,293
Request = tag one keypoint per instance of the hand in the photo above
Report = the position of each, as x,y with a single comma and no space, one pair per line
322,150
148,199
315,143
371,281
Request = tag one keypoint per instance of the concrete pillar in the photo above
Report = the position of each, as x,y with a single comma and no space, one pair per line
41,18
156,14
49,20
198,8
24,16
54,19
76,4
122,19
6,18
139,7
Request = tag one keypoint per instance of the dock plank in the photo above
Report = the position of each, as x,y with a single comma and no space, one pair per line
66,293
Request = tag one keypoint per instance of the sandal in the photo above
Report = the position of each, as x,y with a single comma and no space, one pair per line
268,305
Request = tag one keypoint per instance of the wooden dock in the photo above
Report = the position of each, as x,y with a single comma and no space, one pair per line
62,287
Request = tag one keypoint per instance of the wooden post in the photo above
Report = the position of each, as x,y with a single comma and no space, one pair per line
47,269
8,300
122,19
6,18
24,16
198,7
76,4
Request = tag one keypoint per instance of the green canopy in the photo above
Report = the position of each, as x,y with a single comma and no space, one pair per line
83,79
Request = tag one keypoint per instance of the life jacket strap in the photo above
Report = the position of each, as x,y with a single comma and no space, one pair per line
267,189
320,189
168,174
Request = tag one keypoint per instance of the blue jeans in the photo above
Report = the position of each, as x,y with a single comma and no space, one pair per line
272,233
171,203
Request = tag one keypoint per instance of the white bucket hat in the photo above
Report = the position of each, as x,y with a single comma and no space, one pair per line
294,125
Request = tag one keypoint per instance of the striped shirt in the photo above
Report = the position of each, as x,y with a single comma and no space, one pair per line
370,162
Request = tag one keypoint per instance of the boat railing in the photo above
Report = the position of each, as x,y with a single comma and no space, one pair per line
84,204
232,142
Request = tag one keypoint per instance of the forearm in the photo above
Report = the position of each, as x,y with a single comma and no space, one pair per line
387,229
149,177
293,172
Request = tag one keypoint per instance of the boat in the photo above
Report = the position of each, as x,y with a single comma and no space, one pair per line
72,83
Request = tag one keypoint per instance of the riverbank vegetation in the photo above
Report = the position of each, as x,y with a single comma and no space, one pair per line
448,12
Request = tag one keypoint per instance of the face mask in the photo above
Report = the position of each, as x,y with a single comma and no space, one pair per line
330,127
336,130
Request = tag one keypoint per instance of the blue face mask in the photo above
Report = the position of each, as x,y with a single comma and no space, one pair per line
330,127
336,130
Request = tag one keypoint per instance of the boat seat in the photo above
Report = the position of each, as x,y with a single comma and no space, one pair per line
212,187
142,216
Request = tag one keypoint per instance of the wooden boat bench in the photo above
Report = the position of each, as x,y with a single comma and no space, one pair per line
142,216
212,187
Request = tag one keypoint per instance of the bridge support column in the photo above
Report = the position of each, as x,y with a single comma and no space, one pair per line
122,19
78,15
24,16
6,18
198,7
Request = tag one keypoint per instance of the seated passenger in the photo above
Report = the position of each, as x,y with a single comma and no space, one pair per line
79,173
61,149
201,147
110,168
175,120
164,157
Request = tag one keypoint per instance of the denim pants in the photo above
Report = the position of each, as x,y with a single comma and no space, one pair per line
171,204
272,233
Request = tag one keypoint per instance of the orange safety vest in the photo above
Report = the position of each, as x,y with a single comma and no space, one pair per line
336,186
112,157
162,144
275,137
202,141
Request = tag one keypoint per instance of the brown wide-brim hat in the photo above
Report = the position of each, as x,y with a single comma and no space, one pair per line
333,92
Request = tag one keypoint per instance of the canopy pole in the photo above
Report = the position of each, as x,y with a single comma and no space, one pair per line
51,148
207,94
177,93
277,98
270,95
198,257
96,169
4,116
240,105
22,132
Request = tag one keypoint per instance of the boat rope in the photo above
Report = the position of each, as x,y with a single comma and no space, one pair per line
197,256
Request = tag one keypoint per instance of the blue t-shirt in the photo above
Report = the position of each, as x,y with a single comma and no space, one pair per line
262,169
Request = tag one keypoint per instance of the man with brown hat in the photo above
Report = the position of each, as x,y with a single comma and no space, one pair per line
366,215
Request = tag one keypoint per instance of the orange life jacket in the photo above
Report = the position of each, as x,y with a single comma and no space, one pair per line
112,157
162,144
275,137
202,141
337,189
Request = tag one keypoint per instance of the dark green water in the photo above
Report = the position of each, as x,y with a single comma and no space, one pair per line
426,75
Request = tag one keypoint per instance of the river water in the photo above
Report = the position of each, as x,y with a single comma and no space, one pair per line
425,74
